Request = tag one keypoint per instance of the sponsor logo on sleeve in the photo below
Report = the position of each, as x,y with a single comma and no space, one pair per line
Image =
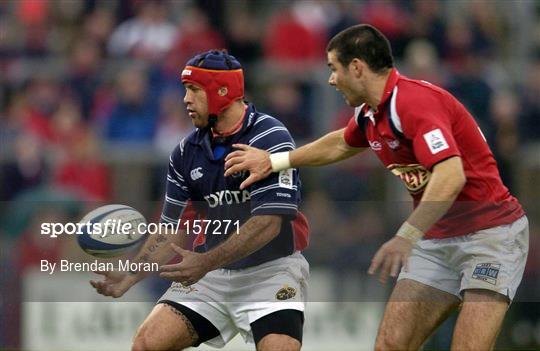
196,173
487,272
436,141
286,178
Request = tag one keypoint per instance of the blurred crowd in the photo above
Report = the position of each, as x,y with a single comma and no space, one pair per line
77,76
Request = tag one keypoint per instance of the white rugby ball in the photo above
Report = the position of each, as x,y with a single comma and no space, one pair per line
111,230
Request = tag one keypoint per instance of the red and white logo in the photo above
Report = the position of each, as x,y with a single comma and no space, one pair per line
415,176
375,145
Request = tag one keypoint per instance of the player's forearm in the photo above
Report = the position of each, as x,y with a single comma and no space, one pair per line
328,149
447,181
157,249
253,235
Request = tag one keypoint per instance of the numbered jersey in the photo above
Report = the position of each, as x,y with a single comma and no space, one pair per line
418,125
196,173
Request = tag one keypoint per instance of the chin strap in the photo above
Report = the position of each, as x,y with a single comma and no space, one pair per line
212,119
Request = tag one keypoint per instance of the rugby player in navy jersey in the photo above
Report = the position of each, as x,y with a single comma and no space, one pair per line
466,242
246,273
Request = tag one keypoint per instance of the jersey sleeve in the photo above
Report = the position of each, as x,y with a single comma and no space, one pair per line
354,135
177,192
428,123
279,193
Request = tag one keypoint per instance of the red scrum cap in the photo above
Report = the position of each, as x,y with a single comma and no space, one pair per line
220,75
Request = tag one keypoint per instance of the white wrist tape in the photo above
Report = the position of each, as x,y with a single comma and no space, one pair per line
409,232
280,161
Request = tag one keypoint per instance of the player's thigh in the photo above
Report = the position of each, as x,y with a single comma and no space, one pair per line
281,330
412,314
479,320
164,329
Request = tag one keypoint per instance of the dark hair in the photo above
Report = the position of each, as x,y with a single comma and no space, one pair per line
364,42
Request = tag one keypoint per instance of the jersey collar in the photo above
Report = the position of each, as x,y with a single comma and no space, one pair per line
391,83
248,120
389,87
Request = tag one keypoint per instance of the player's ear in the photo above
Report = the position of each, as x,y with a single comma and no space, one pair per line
356,67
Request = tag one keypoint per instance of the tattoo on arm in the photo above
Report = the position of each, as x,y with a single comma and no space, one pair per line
254,234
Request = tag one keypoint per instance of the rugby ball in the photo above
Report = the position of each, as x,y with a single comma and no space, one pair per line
111,230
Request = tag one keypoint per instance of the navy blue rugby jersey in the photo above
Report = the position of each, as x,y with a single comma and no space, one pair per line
196,174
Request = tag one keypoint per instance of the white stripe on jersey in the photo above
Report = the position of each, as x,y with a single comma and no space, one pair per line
277,205
182,143
281,146
183,187
168,219
175,202
170,179
261,118
267,132
269,187
357,113
178,175
393,111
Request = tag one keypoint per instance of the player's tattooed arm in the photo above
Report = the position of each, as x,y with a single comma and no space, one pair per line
157,249
253,235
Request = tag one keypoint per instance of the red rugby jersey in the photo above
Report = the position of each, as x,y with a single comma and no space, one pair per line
417,125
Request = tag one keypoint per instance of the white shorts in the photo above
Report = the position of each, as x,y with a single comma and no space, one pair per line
492,259
233,299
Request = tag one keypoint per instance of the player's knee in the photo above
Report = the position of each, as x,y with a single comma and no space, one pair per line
390,341
278,342
146,341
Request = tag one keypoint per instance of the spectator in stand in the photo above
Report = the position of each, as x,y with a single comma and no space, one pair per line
195,35
98,26
82,173
391,18
421,61
427,23
148,36
243,37
285,99
295,36
66,127
26,170
84,76
134,117
174,124
504,111
530,118
32,15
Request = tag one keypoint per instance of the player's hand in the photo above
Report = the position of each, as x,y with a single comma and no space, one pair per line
115,284
251,159
390,257
190,270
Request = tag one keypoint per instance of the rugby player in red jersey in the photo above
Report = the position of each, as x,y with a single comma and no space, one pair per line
466,242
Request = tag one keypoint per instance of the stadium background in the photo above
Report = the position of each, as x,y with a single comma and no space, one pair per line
91,105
